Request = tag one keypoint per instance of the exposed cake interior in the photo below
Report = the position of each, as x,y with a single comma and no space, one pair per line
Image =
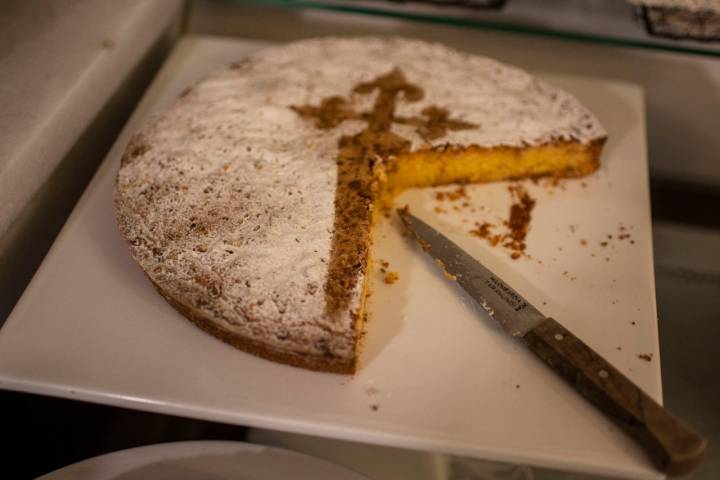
451,164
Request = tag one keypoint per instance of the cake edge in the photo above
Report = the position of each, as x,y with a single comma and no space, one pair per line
315,363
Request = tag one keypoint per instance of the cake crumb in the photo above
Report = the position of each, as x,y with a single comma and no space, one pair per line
516,226
447,274
452,195
391,277
482,230
372,391
645,356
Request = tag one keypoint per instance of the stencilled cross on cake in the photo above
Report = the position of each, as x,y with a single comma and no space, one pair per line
433,124
357,155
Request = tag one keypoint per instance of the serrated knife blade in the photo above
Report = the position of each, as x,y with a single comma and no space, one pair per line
674,446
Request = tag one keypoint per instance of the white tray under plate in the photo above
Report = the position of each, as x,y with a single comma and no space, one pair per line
436,374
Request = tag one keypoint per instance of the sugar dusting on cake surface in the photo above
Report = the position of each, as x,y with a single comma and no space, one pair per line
227,198
511,107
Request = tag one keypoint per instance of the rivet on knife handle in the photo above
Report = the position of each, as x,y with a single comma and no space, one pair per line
674,446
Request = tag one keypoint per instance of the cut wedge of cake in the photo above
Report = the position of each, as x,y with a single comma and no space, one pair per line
249,203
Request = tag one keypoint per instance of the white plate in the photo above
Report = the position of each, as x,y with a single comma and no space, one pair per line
442,377
202,461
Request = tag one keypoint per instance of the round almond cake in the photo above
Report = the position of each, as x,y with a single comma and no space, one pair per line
249,203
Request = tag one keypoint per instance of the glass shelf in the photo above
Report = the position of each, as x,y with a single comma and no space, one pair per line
598,21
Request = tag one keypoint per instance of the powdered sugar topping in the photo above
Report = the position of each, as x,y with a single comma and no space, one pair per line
227,198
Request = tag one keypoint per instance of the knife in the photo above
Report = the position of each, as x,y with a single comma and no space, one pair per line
673,446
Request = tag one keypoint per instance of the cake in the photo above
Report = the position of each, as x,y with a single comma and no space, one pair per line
680,19
249,203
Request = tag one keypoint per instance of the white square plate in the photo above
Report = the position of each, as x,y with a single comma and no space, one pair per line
436,374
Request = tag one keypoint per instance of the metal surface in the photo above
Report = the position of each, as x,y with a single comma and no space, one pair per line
516,315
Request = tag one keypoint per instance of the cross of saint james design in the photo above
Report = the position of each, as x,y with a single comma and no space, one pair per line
335,109
356,157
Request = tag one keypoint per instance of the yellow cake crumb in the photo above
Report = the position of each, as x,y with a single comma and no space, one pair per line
447,274
391,277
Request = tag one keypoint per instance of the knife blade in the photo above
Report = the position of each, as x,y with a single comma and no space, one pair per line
673,446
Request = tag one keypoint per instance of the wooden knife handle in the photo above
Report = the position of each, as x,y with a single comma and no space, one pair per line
674,447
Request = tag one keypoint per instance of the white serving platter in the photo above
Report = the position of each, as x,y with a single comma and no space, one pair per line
436,374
